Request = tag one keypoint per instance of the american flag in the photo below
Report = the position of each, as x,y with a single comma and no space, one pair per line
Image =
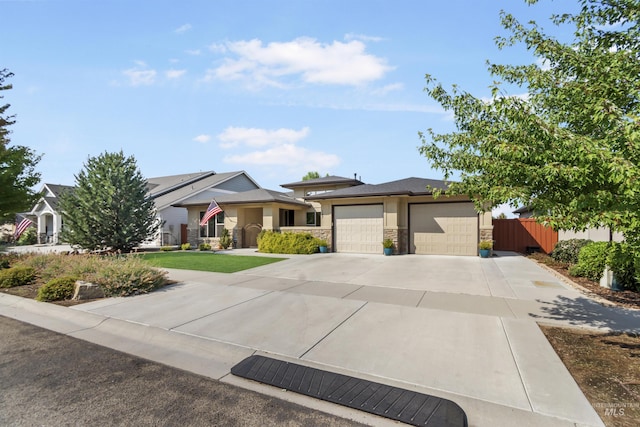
21,226
212,211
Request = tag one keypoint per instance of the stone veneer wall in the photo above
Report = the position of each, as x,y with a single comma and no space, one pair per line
399,238
486,233
403,240
193,237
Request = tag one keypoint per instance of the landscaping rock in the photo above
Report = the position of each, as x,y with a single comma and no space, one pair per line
86,290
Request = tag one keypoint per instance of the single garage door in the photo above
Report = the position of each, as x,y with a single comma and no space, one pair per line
443,229
358,229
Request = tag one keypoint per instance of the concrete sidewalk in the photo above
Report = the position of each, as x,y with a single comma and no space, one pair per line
461,328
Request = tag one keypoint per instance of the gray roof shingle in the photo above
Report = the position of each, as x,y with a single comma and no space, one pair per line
325,180
259,195
401,187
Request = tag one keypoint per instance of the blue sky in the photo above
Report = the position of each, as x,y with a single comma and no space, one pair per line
275,88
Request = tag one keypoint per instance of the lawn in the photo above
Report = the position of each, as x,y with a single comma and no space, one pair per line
207,261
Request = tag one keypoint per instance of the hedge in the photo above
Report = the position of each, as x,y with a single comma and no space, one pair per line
287,243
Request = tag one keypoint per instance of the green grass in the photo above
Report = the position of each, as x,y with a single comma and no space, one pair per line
217,263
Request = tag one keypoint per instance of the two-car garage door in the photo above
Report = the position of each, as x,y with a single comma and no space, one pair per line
434,229
443,229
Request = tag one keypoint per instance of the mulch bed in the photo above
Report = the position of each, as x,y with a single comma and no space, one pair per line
626,298
605,366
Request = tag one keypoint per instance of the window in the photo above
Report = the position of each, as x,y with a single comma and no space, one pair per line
313,218
286,218
214,226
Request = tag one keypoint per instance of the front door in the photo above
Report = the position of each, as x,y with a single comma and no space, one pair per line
250,235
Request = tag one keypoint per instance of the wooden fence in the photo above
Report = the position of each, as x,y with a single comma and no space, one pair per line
523,235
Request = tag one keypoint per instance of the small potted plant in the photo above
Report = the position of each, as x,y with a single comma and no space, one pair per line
485,247
387,246
323,246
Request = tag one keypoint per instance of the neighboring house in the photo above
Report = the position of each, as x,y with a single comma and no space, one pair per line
597,234
169,191
45,213
166,191
352,216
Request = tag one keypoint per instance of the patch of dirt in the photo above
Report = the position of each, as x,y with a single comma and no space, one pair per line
606,366
627,298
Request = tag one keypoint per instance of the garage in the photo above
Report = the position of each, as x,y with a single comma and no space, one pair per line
358,228
443,229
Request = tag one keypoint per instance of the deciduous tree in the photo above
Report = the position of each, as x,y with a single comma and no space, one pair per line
569,148
311,175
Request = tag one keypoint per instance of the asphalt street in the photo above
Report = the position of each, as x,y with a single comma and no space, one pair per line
49,379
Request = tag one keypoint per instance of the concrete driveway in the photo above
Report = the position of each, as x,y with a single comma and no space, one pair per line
462,328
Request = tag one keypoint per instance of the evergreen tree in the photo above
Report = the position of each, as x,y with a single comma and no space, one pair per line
109,208
17,166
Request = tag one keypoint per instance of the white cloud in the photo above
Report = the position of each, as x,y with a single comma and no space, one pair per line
388,88
217,48
504,208
182,29
193,52
174,74
203,138
253,137
303,58
544,64
277,148
139,77
362,37
287,155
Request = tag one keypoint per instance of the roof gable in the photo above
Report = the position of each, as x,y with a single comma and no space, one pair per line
194,187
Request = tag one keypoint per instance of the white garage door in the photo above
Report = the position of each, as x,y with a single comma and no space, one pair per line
443,229
358,229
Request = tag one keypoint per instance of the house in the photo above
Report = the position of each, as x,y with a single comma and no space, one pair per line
45,213
351,216
166,191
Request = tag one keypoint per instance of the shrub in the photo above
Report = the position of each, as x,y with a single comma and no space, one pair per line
128,275
185,246
29,237
485,244
204,247
568,250
621,260
50,266
17,276
592,260
288,243
387,243
166,248
7,259
57,289
225,239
